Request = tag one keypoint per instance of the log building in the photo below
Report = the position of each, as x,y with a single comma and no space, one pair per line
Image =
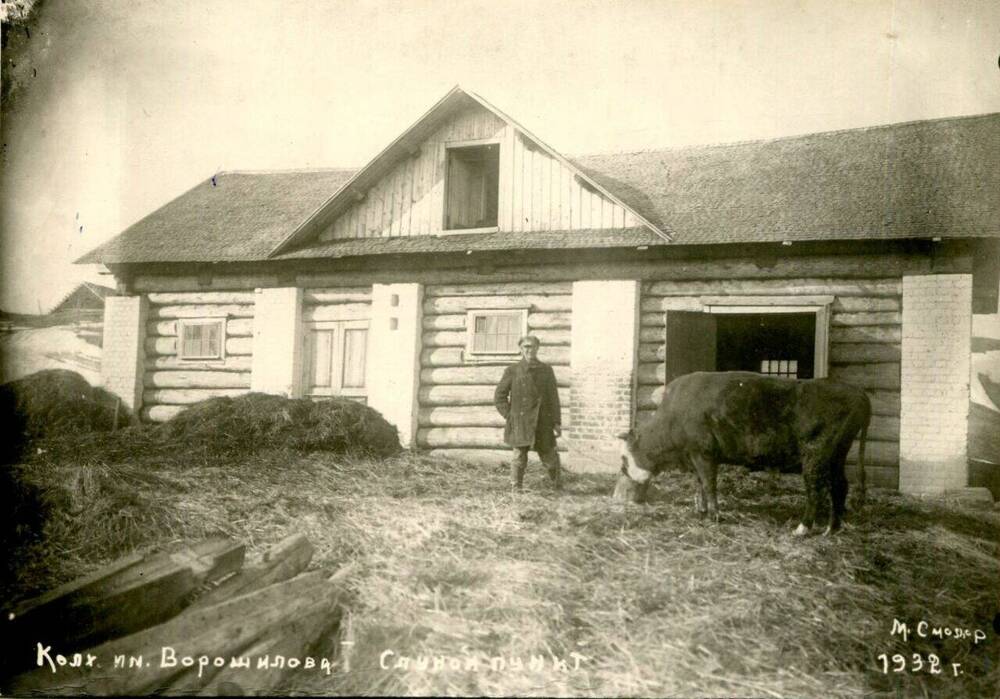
859,255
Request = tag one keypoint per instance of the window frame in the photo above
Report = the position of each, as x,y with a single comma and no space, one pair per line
184,323
471,143
470,354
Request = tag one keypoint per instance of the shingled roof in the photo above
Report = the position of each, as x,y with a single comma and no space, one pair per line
913,180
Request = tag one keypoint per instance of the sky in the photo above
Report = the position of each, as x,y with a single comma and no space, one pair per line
129,104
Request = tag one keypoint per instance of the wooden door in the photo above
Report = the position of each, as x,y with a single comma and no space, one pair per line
689,343
334,356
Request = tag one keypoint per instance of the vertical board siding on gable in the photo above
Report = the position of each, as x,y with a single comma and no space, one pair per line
865,343
169,383
537,192
456,396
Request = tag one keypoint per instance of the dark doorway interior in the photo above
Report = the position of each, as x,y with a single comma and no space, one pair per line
780,344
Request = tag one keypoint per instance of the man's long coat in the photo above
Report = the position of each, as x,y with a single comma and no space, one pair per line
527,398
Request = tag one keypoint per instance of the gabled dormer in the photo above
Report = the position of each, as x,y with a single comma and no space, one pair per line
465,167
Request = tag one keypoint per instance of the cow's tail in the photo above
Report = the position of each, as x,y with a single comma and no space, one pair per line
859,500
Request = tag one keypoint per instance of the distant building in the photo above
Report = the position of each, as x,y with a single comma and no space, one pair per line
87,296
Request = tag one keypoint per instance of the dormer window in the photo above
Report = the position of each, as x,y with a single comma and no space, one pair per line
473,186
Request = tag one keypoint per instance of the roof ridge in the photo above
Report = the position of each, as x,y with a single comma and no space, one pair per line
791,137
282,171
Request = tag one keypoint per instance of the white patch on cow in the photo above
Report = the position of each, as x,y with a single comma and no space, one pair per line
637,474
801,530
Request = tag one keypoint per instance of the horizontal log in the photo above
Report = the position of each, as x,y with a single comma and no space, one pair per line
235,327
867,333
484,457
187,396
459,338
758,286
661,304
165,283
884,428
172,363
463,438
648,397
167,346
316,297
867,318
653,351
479,374
456,321
467,395
877,453
510,289
197,379
875,476
884,402
651,373
461,304
853,304
883,376
160,413
653,334
229,310
469,416
202,297
454,356
342,311
862,352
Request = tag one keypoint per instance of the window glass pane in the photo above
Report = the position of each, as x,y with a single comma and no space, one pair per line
496,333
355,340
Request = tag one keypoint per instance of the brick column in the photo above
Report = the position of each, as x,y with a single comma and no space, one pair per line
604,342
934,397
123,351
394,355
276,366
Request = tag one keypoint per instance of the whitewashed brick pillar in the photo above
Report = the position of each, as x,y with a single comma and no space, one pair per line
934,397
123,349
276,366
603,350
393,365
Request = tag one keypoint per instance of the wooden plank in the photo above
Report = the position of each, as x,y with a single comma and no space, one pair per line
793,286
172,363
867,318
163,283
882,376
864,353
479,374
463,438
231,310
868,333
458,338
221,630
187,396
281,562
467,395
167,346
491,457
225,298
853,304
460,304
196,379
454,356
235,327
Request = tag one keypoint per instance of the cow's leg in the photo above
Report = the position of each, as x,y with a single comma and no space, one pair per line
700,501
815,489
838,496
707,471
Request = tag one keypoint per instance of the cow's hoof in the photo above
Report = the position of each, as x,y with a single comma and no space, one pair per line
830,531
800,530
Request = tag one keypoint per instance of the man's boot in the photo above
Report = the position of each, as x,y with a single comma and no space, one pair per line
517,475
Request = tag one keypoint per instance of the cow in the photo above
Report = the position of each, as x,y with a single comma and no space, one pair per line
738,417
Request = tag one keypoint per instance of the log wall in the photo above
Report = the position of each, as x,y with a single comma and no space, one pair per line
170,384
865,343
456,393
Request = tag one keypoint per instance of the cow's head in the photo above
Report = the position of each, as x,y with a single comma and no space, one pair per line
633,483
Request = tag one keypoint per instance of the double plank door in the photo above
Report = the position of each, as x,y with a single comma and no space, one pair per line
334,359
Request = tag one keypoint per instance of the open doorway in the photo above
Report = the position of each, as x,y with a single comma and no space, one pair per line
788,341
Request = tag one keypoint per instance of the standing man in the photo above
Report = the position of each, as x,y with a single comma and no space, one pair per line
527,398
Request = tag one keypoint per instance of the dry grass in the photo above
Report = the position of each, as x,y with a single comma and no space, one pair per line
452,565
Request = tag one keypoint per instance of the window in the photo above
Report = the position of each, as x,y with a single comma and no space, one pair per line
495,333
788,368
201,338
473,185
334,359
